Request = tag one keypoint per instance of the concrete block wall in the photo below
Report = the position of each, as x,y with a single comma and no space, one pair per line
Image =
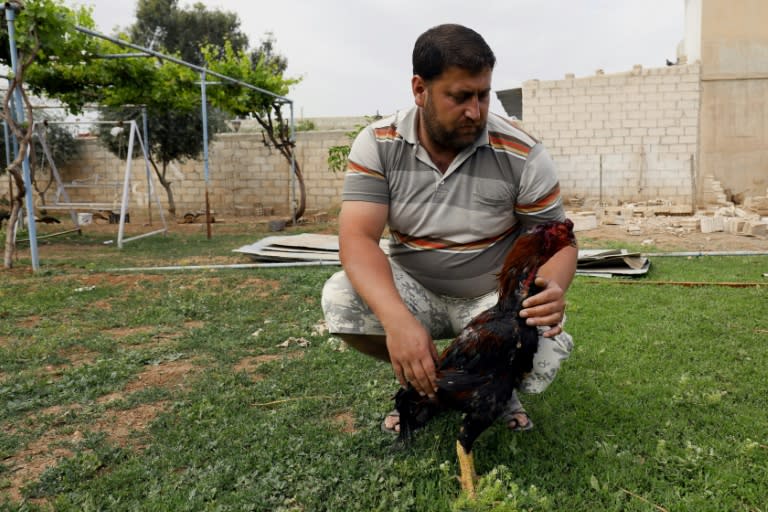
622,137
245,177
96,176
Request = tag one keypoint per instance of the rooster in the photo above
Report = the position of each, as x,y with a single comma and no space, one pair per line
488,360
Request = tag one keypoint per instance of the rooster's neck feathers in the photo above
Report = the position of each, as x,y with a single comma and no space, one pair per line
529,252
520,269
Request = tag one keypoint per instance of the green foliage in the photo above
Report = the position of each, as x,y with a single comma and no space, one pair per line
45,31
46,27
498,492
175,134
60,141
338,155
242,101
184,31
306,125
61,144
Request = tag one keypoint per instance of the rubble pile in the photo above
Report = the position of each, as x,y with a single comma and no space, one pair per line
749,219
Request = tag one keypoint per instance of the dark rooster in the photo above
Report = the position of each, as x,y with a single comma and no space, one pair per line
478,371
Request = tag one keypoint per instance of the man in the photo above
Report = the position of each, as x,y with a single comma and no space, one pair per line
455,187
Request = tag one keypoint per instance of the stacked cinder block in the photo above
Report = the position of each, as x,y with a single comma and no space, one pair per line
627,136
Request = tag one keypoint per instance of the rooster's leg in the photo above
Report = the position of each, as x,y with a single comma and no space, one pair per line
467,469
473,425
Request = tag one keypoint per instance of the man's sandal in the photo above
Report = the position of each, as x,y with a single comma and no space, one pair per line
512,419
513,416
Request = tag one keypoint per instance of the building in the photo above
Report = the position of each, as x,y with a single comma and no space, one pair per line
692,133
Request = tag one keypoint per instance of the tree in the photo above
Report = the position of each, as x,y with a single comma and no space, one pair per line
266,109
44,33
211,39
184,31
62,63
175,135
173,101
62,148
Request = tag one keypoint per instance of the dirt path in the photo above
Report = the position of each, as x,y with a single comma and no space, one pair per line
672,239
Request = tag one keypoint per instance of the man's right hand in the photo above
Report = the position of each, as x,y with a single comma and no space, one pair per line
413,355
411,350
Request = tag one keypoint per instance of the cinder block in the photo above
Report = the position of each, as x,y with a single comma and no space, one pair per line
753,228
584,222
734,225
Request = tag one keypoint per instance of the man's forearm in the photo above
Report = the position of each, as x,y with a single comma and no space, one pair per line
561,267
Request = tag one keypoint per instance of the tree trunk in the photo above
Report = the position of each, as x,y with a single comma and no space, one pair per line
302,206
166,185
279,137
168,191
17,201
171,201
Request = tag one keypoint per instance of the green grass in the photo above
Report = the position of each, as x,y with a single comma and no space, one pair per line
660,407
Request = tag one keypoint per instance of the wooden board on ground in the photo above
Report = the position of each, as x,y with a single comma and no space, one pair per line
318,247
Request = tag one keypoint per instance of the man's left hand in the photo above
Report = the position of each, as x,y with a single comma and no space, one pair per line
546,307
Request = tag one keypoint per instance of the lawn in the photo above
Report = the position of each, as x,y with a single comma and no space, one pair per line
220,390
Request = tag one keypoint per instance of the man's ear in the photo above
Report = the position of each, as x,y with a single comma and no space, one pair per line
419,88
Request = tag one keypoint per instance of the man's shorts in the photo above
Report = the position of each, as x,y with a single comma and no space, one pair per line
444,317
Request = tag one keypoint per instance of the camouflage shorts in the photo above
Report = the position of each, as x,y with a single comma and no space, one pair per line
444,317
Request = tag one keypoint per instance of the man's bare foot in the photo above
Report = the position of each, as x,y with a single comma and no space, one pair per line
391,423
515,416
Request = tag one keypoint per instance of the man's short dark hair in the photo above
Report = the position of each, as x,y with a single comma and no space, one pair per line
449,45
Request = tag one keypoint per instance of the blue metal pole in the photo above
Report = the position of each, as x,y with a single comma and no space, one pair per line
145,146
10,15
205,153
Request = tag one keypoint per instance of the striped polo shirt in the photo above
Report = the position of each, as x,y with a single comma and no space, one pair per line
452,231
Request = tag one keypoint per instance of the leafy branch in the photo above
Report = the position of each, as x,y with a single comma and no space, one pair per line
339,155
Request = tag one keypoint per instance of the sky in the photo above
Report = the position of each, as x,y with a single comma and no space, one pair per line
354,56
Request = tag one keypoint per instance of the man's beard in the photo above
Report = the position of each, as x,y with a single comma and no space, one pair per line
446,137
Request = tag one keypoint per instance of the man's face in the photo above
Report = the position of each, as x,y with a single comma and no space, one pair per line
454,106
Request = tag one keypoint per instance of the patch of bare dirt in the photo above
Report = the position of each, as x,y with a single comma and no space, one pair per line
120,333
169,375
5,342
250,365
174,374
58,410
124,332
76,356
268,287
671,239
127,280
29,322
122,427
345,422
28,464
103,305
